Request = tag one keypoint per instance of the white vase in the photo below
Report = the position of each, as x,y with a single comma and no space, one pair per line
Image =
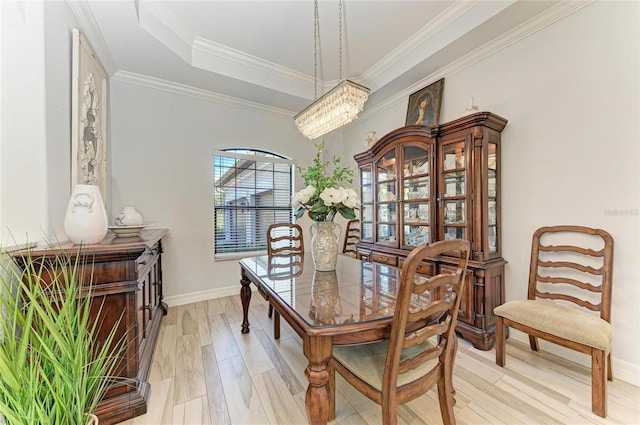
86,219
324,245
129,216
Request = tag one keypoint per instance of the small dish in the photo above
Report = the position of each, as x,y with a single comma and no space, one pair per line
127,231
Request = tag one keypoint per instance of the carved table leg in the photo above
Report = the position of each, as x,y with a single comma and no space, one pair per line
318,400
245,296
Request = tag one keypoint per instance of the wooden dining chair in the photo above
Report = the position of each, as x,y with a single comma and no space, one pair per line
569,282
351,238
283,239
422,345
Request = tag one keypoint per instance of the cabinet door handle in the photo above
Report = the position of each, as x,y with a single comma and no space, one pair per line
143,262
147,307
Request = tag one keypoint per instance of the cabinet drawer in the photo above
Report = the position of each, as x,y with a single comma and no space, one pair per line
390,260
148,257
424,267
364,256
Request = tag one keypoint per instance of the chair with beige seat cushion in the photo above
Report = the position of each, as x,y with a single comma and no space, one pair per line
569,300
422,345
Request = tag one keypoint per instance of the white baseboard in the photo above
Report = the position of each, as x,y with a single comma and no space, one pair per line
194,297
622,370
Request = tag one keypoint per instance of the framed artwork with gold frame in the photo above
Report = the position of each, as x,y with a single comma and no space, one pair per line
424,105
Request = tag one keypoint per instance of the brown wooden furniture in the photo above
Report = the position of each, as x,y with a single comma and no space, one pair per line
422,345
351,238
282,239
127,277
285,239
361,295
572,265
423,184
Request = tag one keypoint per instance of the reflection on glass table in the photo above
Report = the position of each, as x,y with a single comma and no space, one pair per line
325,298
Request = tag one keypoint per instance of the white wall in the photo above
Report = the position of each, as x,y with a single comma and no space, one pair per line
161,163
35,117
22,142
571,149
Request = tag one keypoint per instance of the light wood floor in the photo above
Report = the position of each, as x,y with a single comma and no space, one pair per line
205,371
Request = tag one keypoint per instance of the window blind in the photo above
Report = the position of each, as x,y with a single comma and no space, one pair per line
252,190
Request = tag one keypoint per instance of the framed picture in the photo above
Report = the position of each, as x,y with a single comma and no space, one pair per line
88,117
424,105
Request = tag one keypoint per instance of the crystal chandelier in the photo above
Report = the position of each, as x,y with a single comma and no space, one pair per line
337,107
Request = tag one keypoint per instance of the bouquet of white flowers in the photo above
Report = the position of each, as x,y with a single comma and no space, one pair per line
324,196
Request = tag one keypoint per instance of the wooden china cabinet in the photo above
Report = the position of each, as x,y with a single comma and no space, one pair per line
424,184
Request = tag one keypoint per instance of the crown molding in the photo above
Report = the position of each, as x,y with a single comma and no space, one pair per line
527,28
544,19
421,37
156,19
221,59
83,13
205,54
185,90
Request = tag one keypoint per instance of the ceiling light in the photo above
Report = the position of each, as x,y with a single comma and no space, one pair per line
337,107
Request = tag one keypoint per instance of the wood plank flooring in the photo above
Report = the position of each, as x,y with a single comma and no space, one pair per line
205,371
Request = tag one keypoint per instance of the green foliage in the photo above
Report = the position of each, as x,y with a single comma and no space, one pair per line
52,370
318,176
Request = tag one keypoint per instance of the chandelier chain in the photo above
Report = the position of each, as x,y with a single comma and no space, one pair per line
341,104
315,50
340,38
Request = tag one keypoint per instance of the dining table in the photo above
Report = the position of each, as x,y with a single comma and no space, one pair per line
353,304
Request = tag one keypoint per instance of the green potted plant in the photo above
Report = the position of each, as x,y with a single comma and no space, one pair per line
323,197
52,369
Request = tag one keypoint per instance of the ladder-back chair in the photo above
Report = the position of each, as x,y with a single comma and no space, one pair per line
422,346
569,281
351,238
283,239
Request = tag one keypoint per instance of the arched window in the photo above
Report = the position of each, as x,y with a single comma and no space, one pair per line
252,189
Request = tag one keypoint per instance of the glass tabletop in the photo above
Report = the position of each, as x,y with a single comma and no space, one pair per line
356,291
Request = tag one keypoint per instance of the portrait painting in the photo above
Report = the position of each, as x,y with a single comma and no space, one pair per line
88,117
424,105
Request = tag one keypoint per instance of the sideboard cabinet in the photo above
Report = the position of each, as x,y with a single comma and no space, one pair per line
423,184
127,282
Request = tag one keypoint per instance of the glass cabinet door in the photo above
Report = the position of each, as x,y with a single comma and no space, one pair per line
366,207
453,191
416,195
492,200
386,199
